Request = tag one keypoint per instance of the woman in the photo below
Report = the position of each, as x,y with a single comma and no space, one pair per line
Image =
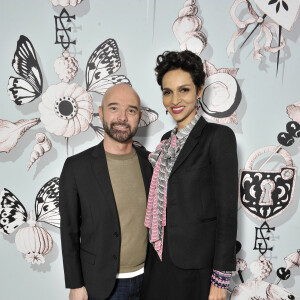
192,205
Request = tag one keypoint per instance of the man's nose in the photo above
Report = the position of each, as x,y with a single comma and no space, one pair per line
122,115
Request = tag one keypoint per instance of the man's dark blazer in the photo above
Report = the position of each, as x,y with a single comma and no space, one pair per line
202,199
90,229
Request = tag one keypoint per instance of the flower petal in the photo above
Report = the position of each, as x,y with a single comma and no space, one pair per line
70,90
85,105
84,97
44,110
70,129
78,92
84,124
86,114
55,125
77,127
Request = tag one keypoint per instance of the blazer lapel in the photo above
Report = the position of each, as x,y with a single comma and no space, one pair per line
145,169
99,166
190,144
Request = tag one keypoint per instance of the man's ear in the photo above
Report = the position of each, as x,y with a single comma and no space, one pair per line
101,113
141,113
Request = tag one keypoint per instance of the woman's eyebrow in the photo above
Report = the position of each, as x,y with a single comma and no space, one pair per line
179,87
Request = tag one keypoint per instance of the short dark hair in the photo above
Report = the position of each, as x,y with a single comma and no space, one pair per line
185,60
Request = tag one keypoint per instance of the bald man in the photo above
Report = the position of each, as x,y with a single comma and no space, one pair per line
102,205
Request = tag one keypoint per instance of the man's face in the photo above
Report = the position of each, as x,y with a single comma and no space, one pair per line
120,113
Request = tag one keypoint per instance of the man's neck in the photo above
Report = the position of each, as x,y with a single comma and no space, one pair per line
114,147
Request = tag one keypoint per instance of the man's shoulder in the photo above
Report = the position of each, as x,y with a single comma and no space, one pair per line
83,155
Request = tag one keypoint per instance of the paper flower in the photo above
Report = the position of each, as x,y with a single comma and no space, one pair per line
187,29
241,265
65,3
66,67
261,268
66,109
221,95
293,111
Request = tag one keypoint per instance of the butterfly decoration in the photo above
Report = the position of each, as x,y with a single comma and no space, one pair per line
101,67
29,87
103,62
148,116
34,241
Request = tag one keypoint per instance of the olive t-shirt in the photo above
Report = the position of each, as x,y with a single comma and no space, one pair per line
129,191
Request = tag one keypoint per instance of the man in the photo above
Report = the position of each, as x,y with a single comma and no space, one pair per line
102,205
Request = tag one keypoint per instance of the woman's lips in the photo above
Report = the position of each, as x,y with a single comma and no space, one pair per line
177,109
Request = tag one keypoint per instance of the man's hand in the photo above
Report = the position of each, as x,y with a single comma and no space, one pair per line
216,293
78,294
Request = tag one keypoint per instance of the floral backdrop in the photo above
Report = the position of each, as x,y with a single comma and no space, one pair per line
58,59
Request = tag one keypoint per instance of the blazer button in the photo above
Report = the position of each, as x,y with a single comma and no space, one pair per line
116,234
115,257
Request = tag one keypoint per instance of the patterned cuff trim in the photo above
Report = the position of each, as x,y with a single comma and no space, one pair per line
221,279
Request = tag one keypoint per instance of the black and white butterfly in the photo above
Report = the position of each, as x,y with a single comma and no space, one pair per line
148,116
29,87
103,62
13,213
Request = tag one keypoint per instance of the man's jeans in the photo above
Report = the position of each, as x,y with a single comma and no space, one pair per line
126,289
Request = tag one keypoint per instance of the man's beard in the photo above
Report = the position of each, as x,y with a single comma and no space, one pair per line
119,135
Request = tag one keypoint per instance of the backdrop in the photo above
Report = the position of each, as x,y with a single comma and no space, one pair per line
57,59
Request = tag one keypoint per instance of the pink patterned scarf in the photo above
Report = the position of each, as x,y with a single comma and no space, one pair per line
156,212
163,160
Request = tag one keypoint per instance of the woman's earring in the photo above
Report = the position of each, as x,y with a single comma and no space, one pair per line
166,111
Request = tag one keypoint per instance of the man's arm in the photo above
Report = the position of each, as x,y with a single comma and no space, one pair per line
69,206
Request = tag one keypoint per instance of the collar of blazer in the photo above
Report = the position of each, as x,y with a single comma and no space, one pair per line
100,168
190,143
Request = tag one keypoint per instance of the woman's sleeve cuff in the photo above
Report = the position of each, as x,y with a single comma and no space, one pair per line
221,279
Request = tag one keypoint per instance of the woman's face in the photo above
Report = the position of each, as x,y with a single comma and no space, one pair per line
180,96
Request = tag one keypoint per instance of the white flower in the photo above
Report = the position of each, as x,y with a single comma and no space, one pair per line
66,109
293,111
261,268
241,265
66,67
